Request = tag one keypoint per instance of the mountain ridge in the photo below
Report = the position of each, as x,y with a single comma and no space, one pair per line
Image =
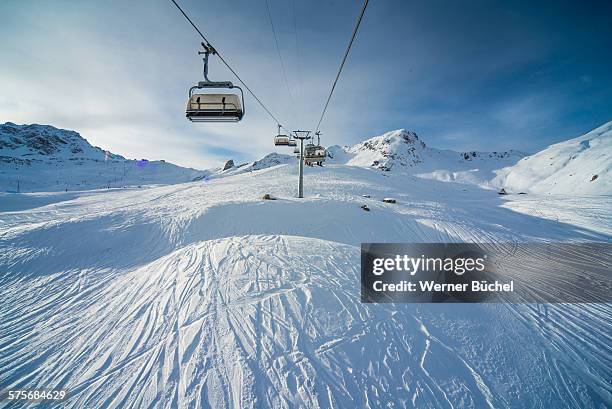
42,157
36,157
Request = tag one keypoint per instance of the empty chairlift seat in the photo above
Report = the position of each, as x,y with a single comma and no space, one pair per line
214,108
281,140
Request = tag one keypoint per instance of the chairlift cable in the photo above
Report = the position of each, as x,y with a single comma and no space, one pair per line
227,65
298,55
348,49
280,57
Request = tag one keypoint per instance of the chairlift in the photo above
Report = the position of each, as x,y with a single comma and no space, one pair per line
292,142
281,140
296,151
210,107
315,153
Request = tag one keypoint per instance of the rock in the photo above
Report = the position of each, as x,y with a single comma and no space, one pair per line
594,177
502,192
228,165
365,207
366,196
389,200
267,196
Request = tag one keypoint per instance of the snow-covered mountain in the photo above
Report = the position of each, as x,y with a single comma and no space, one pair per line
28,144
44,158
582,165
403,151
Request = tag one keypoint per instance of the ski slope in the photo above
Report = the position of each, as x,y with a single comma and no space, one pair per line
202,295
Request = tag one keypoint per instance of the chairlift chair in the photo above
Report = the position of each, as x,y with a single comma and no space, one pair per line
309,153
280,139
315,153
210,107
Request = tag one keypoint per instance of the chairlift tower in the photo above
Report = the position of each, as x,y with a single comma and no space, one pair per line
301,135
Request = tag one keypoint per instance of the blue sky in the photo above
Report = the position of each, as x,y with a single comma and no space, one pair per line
478,75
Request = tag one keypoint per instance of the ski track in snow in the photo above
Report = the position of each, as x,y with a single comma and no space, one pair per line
202,295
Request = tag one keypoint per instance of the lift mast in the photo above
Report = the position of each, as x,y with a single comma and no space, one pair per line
301,135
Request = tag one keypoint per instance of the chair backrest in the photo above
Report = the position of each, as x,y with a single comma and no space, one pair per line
214,102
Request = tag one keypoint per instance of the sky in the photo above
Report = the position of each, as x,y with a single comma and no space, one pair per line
478,75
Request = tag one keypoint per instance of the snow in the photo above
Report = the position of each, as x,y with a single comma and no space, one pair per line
581,165
201,294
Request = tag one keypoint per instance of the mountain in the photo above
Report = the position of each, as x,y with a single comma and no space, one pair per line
403,151
44,158
582,165
29,144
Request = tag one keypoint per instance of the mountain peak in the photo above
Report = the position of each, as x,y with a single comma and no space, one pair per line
394,148
394,138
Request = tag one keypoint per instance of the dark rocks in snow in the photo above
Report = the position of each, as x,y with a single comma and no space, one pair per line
594,178
267,196
389,200
365,207
502,192
198,178
367,196
228,165
490,155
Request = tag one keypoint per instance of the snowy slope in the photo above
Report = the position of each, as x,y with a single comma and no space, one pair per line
203,295
44,158
581,165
